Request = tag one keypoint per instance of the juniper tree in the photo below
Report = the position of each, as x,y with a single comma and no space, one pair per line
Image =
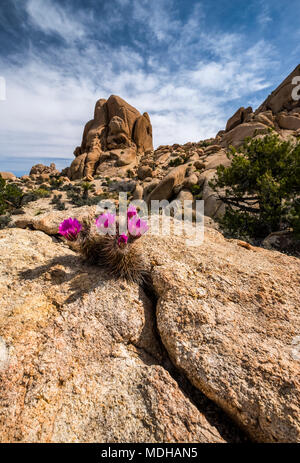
261,188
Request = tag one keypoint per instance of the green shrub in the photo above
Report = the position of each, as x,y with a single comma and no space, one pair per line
4,221
198,197
261,188
86,188
59,205
196,189
41,193
176,162
204,144
10,196
34,195
56,183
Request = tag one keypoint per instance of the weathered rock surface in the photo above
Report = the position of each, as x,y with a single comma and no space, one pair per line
49,221
237,135
83,351
213,206
282,97
164,189
228,316
38,169
217,159
7,175
288,122
238,118
142,134
79,360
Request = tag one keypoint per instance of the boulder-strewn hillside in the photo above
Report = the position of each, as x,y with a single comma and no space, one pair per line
206,351
116,155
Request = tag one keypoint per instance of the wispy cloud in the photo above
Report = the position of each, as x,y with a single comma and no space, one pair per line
264,17
52,18
190,82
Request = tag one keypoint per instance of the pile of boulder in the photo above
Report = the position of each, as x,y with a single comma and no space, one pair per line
116,153
280,112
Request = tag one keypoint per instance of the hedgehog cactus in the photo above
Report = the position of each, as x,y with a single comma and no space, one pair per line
99,242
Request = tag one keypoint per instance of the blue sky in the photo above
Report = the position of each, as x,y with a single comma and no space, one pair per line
190,64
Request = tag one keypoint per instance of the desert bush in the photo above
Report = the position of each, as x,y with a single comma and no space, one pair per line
86,188
56,183
196,189
34,195
58,203
4,221
10,196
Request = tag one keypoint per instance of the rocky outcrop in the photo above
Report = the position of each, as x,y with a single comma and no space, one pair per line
282,98
237,136
279,111
142,134
228,315
79,357
116,135
39,169
238,118
165,188
7,176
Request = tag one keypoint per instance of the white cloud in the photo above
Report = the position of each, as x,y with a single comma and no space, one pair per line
158,17
51,17
264,16
51,94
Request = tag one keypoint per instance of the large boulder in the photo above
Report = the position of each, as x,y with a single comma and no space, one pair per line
76,169
142,134
217,159
79,357
8,176
236,136
213,206
228,315
116,126
288,122
238,118
164,190
38,169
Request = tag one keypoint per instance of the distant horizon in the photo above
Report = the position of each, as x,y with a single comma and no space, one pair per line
190,65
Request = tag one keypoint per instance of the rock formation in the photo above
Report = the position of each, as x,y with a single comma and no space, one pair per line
279,111
79,357
281,98
81,361
7,175
39,169
114,138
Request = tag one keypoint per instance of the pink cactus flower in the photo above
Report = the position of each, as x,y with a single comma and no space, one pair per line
70,228
131,212
137,226
105,220
122,239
